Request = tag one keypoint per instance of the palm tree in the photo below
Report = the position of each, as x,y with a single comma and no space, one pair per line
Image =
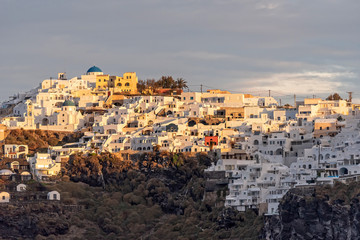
167,81
181,83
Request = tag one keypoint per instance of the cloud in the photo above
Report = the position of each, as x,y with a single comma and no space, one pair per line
233,44
203,55
303,83
267,5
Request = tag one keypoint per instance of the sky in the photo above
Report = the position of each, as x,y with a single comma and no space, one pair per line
290,47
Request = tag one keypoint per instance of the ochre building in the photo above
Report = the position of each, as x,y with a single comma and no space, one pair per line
125,84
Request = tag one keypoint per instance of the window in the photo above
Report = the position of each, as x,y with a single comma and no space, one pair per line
55,196
3,197
191,98
127,84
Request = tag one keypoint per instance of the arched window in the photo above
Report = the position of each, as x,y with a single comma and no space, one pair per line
127,84
119,84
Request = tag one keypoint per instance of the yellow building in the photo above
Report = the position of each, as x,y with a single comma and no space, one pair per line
125,84
102,82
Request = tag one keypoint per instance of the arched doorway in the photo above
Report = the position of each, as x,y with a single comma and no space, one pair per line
45,122
343,171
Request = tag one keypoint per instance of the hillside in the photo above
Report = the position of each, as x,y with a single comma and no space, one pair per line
137,202
39,139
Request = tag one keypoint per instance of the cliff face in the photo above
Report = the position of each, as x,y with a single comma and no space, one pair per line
316,214
132,201
28,220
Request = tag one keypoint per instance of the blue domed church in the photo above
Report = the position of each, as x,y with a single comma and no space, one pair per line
94,70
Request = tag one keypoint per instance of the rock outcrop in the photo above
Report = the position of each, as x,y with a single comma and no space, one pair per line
26,220
311,214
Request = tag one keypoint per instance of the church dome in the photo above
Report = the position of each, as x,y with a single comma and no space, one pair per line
94,69
68,103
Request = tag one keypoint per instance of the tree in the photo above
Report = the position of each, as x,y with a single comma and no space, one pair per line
167,82
141,86
181,83
334,96
152,84
177,160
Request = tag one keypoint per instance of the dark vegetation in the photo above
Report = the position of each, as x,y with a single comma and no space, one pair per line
163,82
340,193
161,196
334,96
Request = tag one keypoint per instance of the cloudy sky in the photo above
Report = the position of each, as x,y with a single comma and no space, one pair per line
288,46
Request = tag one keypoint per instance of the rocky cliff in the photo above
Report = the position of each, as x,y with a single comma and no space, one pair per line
161,197
26,220
317,213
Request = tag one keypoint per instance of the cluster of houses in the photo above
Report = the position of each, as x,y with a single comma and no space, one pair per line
15,173
263,149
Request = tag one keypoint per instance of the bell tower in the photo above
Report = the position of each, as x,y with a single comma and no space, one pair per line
29,113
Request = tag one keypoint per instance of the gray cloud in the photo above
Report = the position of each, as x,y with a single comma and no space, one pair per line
248,44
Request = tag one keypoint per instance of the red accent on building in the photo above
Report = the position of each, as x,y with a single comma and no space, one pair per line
213,139
168,91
